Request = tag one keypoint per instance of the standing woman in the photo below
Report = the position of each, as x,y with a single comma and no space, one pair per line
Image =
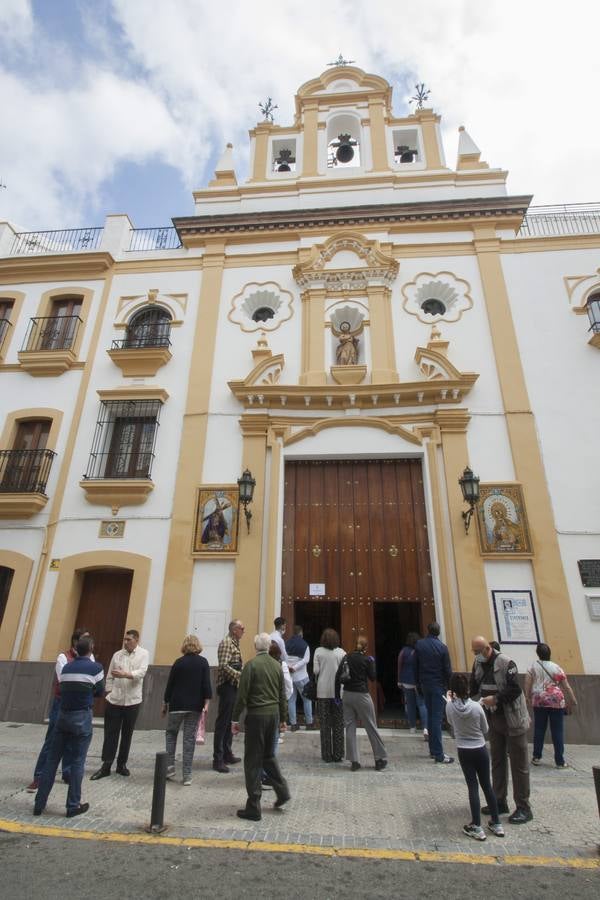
545,687
187,696
331,721
407,680
357,704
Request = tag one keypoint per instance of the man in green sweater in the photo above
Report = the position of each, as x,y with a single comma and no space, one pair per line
261,692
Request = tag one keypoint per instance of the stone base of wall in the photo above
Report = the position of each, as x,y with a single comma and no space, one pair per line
26,690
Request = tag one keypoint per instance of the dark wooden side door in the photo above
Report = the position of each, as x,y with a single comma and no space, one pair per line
103,611
359,528
6,577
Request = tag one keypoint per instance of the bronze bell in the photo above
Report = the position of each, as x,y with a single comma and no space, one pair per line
405,153
284,159
345,148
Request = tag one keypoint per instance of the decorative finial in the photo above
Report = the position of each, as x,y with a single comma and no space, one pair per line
340,61
421,96
267,109
435,333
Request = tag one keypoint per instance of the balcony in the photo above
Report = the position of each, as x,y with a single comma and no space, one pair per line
557,221
69,240
48,346
23,478
143,351
118,479
144,239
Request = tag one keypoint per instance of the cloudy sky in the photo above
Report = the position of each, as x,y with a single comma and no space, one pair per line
124,105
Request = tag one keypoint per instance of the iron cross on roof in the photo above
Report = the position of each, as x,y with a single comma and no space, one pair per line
340,61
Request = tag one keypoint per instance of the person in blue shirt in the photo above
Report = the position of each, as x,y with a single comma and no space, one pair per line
80,681
433,671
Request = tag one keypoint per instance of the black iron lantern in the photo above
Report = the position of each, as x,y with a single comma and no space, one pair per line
345,148
246,485
593,311
469,485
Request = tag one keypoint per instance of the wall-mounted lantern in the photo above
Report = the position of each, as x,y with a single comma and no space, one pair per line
246,485
469,485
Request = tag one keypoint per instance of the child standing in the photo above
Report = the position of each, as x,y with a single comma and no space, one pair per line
470,726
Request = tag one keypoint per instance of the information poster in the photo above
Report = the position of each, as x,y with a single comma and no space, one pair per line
515,617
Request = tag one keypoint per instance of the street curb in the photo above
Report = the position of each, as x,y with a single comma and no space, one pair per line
430,856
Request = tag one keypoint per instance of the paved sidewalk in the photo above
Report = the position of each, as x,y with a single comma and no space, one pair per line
413,805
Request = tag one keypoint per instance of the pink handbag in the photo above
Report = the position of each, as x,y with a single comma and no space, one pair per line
201,730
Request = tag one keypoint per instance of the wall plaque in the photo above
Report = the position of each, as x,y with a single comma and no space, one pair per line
589,572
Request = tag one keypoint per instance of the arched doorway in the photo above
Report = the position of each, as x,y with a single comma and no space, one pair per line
6,577
103,606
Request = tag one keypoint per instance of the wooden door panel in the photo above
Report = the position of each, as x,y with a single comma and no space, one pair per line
103,610
331,531
392,557
301,532
346,531
422,535
315,552
289,512
406,522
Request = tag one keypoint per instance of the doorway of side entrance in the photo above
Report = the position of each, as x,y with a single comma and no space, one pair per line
393,622
315,616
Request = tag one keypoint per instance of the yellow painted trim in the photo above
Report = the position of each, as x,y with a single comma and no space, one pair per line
67,458
358,421
544,244
272,587
310,147
377,130
18,298
430,856
117,492
383,350
68,592
248,565
475,615
179,566
313,338
21,506
551,585
135,393
13,418
140,361
54,267
261,146
22,566
87,294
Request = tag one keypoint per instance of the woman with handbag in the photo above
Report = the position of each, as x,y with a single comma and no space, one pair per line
187,696
545,688
331,722
354,673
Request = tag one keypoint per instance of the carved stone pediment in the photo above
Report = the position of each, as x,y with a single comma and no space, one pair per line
373,266
267,372
434,366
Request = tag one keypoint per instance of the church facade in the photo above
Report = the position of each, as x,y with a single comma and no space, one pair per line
359,326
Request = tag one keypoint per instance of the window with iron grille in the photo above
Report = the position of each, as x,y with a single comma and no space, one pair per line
148,328
124,440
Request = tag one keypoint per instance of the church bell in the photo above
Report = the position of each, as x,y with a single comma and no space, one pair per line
345,148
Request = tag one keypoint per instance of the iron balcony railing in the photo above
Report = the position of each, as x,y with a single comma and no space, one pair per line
121,464
25,471
153,239
4,326
551,221
51,333
151,335
69,240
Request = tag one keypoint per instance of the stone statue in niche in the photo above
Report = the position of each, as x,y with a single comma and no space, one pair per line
346,353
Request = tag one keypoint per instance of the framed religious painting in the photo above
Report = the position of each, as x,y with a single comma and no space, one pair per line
502,521
216,520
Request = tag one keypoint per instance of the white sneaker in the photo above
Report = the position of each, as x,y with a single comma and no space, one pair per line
171,772
412,730
425,734
474,831
496,828
187,781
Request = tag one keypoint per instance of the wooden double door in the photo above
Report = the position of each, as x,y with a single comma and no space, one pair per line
356,554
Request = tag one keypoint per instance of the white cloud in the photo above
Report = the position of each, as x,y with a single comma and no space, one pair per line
521,76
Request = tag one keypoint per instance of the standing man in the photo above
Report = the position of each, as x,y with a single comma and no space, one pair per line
81,680
61,660
228,678
298,654
494,680
433,671
123,700
277,635
262,695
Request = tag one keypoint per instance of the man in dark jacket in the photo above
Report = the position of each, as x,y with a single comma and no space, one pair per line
80,681
494,680
262,694
433,671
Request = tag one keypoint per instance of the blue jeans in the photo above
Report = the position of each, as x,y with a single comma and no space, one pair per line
72,735
41,760
435,704
412,700
541,716
306,703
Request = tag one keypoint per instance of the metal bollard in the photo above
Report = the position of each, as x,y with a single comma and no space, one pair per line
157,814
596,772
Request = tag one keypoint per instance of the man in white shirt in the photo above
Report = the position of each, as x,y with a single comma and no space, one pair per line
277,636
123,700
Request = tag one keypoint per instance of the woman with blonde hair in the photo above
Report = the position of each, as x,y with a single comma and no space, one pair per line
187,696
